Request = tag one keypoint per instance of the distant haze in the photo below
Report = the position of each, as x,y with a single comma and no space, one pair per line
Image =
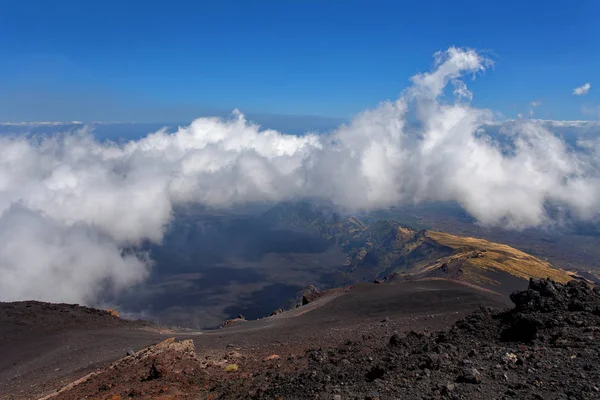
70,204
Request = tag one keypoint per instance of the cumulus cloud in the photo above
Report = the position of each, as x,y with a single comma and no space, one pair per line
43,259
581,90
70,205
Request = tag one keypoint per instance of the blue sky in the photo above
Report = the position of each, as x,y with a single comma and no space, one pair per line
176,60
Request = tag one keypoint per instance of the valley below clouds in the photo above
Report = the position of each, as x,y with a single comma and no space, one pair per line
84,219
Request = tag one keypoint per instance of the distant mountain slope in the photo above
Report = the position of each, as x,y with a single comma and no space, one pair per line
387,250
494,266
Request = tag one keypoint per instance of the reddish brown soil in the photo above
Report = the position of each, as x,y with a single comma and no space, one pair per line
42,353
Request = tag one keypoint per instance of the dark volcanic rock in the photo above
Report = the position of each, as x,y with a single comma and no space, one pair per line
546,347
395,340
376,372
469,375
545,304
309,294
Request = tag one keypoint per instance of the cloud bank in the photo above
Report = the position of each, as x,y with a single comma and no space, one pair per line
70,205
581,90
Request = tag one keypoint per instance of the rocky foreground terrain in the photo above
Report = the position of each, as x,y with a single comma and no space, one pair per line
546,347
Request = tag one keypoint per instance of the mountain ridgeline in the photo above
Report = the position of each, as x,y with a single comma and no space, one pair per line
385,250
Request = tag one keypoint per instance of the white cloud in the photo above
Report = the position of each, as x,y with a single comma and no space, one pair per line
581,90
573,123
69,204
44,259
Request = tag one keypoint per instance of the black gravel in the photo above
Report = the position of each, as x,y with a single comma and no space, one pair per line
546,347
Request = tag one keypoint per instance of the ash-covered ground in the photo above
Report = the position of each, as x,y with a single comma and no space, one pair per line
546,347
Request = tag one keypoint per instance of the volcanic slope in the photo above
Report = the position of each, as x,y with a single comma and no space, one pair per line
386,250
42,352
44,345
546,347
340,347
494,266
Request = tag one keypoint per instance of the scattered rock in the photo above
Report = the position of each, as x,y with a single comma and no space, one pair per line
510,358
278,311
376,372
448,388
469,375
544,347
231,368
395,340
154,373
309,294
271,357
372,396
